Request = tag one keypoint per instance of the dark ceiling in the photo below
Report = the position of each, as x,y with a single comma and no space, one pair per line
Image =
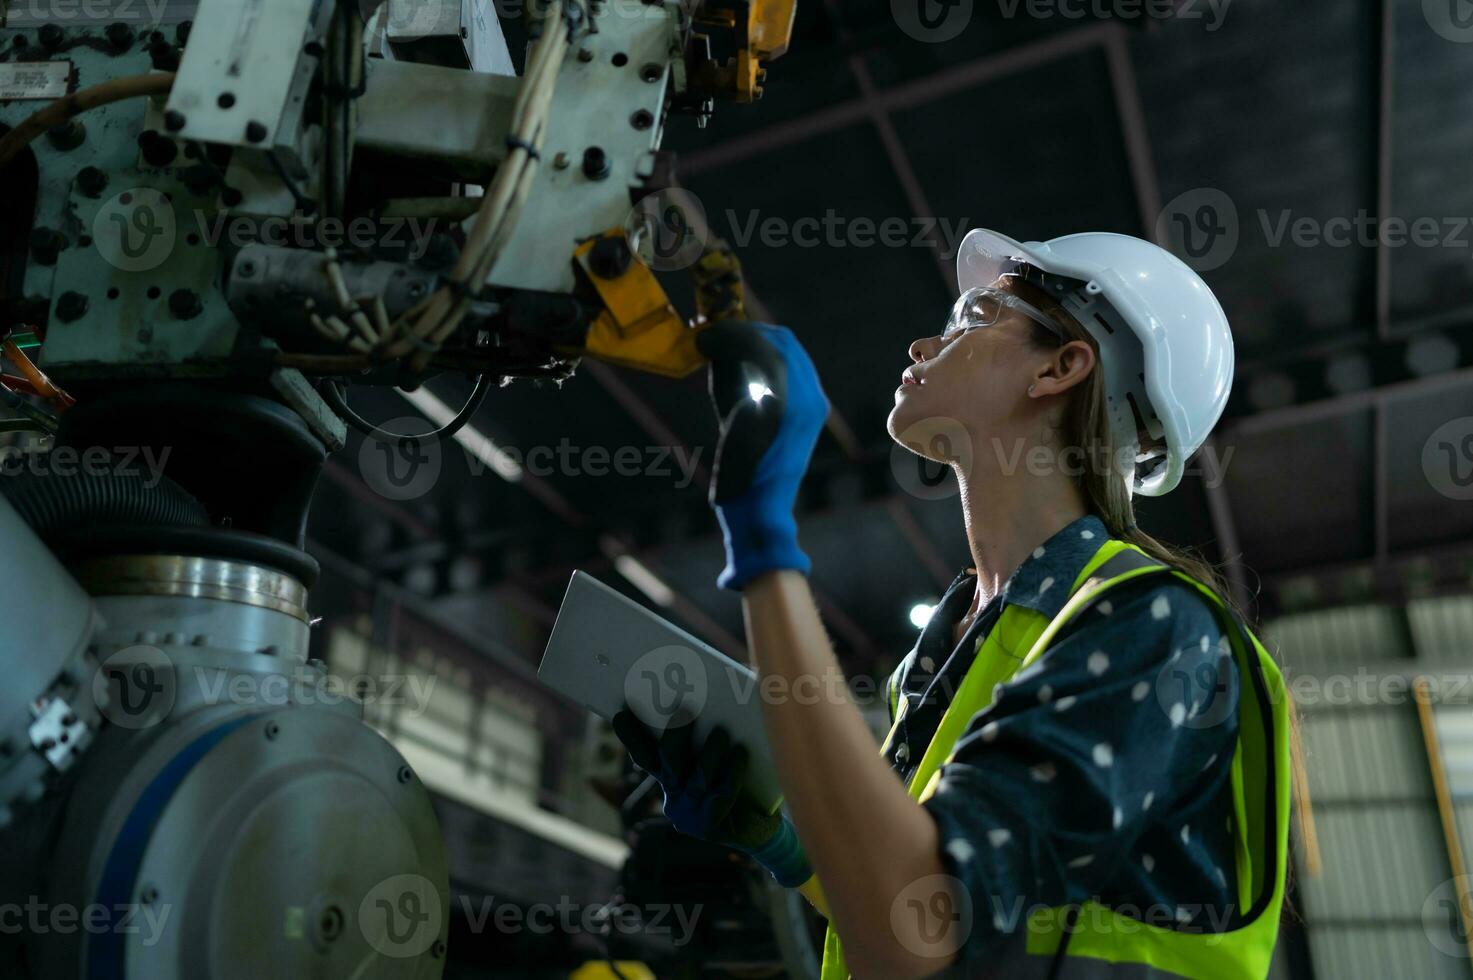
1349,355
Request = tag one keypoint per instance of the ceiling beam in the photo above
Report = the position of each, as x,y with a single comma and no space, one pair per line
903,96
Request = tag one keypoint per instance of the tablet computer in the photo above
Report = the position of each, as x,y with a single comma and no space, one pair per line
607,651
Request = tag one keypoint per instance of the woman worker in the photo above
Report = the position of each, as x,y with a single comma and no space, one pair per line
1087,769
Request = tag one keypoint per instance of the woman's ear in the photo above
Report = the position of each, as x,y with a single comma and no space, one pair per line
1069,365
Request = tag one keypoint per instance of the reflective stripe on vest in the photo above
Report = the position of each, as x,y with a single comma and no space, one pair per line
1091,941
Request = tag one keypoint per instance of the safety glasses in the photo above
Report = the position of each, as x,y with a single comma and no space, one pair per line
982,306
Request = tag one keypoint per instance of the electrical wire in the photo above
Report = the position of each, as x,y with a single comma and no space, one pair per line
57,113
498,215
43,385
337,400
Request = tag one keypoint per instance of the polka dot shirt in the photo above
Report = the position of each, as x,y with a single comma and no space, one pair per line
1100,772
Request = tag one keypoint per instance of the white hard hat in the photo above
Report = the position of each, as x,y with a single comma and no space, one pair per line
1164,342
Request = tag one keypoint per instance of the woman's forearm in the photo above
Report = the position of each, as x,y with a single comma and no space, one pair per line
867,839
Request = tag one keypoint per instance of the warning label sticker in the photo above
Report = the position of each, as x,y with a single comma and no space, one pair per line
34,80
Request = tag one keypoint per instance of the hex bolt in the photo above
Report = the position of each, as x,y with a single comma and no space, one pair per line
585,55
330,926
71,307
595,163
47,245
609,258
560,161
120,36
185,304
437,950
272,729
68,136
52,36
642,119
165,56
158,150
256,132
149,895
405,774
174,120
92,182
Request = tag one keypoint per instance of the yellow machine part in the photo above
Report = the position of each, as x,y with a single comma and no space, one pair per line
769,28
640,329
599,970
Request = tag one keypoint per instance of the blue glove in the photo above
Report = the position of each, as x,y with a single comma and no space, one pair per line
765,443
704,798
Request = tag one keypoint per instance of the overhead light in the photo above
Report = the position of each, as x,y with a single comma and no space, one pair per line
636,573
758,391
920,614
474,441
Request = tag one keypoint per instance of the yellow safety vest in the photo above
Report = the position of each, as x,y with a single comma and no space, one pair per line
1089,940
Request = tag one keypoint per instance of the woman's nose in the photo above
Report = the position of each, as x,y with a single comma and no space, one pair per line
924,348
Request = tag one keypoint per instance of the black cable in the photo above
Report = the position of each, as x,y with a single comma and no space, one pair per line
338,402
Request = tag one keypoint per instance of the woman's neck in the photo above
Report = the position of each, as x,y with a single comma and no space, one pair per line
1007,517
